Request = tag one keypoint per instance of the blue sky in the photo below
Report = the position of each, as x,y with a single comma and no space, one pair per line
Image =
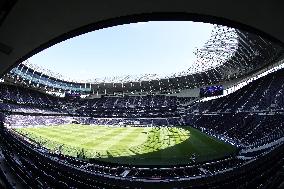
160,48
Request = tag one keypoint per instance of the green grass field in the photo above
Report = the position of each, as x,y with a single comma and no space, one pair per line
134,145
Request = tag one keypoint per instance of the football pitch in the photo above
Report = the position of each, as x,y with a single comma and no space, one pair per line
130,145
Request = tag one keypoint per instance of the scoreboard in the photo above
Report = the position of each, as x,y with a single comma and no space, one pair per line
72,95
211,91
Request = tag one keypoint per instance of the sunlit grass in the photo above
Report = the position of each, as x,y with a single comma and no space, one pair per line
144,145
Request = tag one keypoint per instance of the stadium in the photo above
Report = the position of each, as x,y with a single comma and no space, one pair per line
217,124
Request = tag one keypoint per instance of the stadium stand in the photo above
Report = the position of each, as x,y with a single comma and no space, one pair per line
254,112
245,118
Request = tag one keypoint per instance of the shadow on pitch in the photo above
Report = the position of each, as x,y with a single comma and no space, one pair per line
188,151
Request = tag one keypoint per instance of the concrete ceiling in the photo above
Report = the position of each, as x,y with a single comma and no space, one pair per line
29,26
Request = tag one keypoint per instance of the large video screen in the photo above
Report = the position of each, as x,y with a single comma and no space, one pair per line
211,91
72,95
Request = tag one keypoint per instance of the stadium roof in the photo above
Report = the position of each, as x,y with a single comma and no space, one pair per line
227,55
28,27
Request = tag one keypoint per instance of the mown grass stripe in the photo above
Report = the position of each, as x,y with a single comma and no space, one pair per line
138,145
